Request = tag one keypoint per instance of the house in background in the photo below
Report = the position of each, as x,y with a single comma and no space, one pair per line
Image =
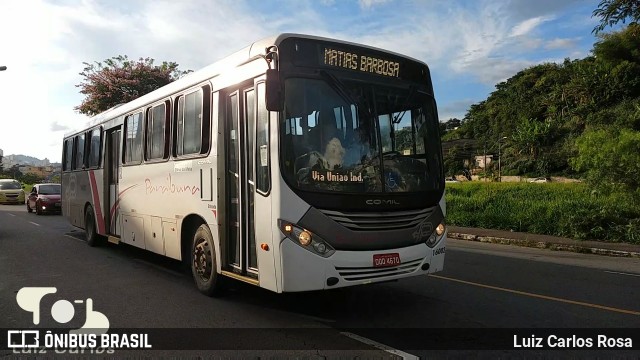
482,161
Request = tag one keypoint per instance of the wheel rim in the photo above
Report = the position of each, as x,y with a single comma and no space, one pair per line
202,259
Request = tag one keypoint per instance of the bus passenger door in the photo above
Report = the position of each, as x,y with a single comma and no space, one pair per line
113,167
240,253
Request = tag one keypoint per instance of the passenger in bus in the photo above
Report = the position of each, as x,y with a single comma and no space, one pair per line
328,142
334,153
359,149
331,139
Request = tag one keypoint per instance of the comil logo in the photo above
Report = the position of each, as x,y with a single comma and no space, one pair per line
62,311
382,202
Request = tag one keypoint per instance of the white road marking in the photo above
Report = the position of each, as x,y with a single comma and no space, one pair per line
36,224
622,273
386,348
74,238
159,267
315,318
10,214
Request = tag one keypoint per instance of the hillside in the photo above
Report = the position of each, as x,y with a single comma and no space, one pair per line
27,160
580,118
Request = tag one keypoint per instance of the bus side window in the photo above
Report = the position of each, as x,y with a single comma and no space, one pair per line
192,123
156,130
79,151
95,140
68,155
133,139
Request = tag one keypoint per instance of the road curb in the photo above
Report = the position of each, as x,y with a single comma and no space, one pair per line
544,245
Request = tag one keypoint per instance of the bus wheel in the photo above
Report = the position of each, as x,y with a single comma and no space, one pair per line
91,235
203,262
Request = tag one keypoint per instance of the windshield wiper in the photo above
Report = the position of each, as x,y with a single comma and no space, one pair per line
338,86
412,92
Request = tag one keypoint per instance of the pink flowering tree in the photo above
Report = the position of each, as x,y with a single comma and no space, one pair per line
119,80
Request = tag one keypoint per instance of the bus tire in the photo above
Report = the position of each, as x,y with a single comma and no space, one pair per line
90,231
203,262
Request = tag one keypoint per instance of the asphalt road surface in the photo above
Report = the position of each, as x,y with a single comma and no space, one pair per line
484,287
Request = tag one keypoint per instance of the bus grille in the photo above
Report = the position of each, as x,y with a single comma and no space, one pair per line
369,221
367,273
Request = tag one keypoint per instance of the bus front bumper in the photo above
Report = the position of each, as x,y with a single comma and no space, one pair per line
303,270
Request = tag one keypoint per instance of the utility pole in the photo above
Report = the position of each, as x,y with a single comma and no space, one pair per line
500,158
484,164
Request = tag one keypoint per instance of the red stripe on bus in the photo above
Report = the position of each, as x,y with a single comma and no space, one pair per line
117,204
96,200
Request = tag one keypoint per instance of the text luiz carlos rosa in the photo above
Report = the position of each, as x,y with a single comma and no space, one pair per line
554,341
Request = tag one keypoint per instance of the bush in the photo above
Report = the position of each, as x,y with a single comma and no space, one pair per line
570,210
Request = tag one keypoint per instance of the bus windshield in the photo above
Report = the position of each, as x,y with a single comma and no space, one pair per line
351,136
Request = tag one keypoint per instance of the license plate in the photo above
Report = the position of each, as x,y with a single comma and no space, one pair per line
384,260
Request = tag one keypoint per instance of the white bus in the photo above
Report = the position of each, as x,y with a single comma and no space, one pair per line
298,163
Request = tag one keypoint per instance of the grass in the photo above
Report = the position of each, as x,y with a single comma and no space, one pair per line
562,209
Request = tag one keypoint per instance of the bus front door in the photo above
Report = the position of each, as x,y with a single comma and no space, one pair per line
112,164
240,247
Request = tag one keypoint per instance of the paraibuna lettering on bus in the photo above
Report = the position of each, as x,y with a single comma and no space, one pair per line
353,61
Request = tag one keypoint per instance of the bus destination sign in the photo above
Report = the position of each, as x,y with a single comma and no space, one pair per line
359,62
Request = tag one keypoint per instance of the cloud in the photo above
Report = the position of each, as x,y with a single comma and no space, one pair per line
493,71
57,127
368,4
455,109
519,10
528,25
483,41
558,43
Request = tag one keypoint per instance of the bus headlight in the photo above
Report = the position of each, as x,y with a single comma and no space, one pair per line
305,239
436,235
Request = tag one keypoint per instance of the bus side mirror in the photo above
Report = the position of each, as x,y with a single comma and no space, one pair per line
273,91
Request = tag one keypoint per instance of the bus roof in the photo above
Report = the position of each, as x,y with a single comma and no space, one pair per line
245,54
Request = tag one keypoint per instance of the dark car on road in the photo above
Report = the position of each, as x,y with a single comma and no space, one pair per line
44,198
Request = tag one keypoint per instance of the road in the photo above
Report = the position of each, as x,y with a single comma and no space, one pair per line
483,286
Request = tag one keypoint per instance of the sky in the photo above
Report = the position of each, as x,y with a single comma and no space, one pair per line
469,45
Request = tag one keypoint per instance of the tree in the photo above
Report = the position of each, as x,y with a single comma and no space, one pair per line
610,159
14,172
30,178
119,80
55,179
453,162
612,12
618,46
450,125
